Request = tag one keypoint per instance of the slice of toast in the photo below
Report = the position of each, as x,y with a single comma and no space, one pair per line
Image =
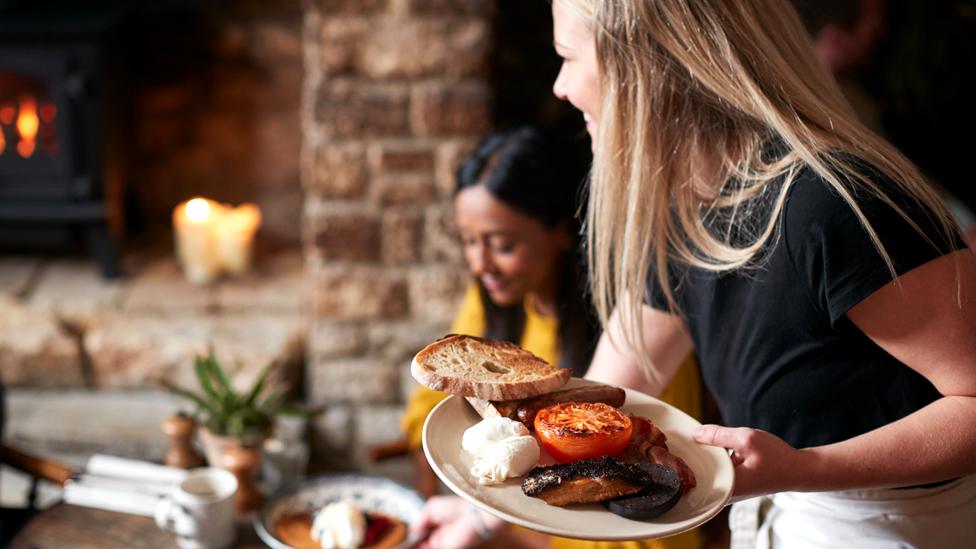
484,368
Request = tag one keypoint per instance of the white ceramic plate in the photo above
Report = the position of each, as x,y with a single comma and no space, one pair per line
712,467
368,493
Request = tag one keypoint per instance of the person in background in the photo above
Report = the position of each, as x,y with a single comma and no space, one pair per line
846,34
738,208
515,207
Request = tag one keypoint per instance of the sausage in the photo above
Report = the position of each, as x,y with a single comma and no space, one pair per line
607,394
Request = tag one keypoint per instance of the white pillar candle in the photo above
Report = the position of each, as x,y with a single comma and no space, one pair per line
235,237
194,233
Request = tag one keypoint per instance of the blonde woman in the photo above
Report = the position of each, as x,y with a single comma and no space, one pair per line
738,208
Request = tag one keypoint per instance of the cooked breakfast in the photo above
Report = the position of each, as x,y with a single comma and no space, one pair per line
485,368
503,449
579,430
585,481
606,394
649,444
604,455
654,500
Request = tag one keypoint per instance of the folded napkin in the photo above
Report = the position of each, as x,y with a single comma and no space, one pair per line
126,485
110,499
131,469
122,485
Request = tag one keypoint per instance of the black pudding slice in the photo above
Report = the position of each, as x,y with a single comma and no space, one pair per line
655,500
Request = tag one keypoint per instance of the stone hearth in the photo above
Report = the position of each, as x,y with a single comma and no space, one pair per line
82,357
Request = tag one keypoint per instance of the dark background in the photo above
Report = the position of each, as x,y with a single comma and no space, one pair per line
920,80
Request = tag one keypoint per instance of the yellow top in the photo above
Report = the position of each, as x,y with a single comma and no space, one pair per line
540,337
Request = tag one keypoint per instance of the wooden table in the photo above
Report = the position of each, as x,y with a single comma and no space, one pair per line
65,525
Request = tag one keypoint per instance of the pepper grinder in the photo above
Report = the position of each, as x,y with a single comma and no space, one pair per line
180,428
245,462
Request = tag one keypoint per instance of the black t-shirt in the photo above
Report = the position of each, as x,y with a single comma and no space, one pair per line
774,342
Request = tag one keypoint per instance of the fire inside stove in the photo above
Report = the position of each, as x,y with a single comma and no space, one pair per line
28,119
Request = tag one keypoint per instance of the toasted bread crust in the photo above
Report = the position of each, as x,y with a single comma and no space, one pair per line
484,368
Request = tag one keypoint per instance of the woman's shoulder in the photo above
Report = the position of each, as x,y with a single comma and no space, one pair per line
814,201
817,213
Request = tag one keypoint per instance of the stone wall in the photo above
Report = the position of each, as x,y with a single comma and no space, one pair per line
214,94
395,93
82,358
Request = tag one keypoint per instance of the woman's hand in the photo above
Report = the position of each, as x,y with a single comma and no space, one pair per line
449,522
764,463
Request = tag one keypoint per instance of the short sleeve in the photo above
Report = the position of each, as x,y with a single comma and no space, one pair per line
834,253
654,296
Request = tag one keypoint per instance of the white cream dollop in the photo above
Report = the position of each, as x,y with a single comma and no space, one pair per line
507,458
481,435
339,525
503,449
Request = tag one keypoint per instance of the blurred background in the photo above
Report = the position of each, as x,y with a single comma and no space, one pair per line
343,122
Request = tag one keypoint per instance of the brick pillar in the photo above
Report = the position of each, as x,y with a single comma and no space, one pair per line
395,93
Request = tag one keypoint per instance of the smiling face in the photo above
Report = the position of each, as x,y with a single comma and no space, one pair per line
579,77
511,253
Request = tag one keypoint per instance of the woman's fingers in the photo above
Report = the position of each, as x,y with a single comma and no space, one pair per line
763,460
726,437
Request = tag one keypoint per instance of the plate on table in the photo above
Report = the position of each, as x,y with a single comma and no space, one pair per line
712,467
285,519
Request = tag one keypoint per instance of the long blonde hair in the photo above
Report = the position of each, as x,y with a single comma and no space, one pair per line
691,92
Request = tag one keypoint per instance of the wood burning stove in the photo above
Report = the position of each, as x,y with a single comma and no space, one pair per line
58,184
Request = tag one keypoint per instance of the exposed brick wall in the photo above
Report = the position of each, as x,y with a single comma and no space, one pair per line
216,97
396,92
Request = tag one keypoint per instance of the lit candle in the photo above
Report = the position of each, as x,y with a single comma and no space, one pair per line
194,223
235,237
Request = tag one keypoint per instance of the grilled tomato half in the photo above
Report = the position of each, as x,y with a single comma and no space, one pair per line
578,430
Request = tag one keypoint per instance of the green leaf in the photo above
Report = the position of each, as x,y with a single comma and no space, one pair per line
298,410
226,412
203,375
235,425
259,384
200,401
270,403
229,398
219,373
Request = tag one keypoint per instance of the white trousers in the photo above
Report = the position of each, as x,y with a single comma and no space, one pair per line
943,517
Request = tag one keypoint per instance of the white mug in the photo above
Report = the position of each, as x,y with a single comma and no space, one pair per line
200,510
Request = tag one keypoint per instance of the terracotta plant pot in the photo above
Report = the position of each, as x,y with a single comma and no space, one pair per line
216,446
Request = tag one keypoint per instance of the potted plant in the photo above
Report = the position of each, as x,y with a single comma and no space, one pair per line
228,418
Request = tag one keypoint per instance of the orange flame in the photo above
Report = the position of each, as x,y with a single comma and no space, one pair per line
27,124
7,113
48,112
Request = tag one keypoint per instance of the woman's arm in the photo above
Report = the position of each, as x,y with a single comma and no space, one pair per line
926,321
665,339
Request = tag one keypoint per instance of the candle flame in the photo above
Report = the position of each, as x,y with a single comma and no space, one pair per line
27,124
197,210
8,113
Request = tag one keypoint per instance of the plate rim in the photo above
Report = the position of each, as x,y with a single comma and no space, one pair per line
539,527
